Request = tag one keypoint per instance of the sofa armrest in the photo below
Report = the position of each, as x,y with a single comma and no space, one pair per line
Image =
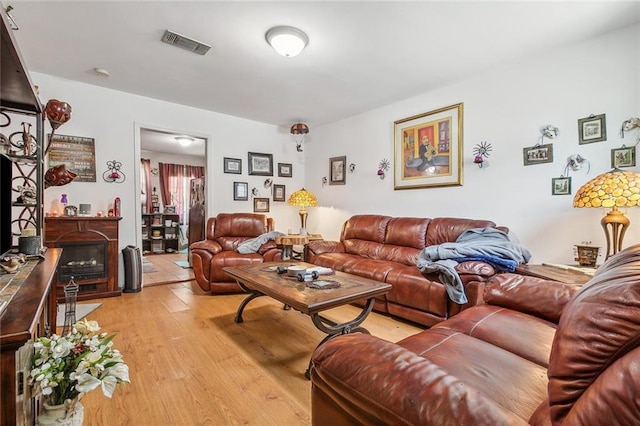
208,245
270,251
477,268
321,246
543,298
367,380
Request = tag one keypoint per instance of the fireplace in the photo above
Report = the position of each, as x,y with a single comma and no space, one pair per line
83,261
89,255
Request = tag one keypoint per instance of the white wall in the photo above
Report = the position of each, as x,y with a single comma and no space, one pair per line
113,118
506,107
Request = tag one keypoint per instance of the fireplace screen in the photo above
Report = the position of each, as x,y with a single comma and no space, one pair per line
83,261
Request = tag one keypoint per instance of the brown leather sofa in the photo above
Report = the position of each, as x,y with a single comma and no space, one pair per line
224,233
386,249
539,353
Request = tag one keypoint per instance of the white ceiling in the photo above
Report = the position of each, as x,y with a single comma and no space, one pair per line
361,54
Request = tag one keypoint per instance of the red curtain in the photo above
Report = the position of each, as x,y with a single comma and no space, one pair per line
174,181
145,179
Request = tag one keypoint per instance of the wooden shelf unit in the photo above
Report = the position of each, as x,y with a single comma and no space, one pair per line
160,233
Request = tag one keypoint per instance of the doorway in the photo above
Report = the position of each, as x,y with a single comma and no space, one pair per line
167,166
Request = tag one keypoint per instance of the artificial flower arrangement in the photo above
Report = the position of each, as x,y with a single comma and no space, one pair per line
66,367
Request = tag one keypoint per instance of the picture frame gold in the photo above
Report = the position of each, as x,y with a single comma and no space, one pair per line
428,149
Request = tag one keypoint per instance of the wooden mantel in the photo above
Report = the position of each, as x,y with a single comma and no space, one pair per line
61,230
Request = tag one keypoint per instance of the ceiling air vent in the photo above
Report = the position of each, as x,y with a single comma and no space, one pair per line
187,43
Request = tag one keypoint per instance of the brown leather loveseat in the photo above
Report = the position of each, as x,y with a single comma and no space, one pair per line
386,249
224,233
539,353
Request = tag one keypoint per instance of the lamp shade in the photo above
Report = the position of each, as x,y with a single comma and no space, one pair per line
616,188
302,198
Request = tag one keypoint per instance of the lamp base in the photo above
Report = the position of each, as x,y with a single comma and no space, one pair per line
303,221
615,224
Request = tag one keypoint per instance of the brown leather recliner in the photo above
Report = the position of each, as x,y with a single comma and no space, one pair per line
224,233
538,352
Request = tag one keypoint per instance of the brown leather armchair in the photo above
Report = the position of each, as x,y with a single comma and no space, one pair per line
224,233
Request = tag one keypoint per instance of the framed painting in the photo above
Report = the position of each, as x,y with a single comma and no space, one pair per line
279,193
561,186
592,129
285,170
337,170
260,205
623,157
240,191
233,165
428,149
260,164
538,154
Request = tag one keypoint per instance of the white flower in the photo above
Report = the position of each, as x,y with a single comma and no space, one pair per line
85,327
120,372
86,383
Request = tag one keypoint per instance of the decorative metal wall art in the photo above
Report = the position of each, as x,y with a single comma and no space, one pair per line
113,173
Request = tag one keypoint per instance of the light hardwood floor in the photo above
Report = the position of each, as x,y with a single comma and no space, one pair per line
191,364
164,269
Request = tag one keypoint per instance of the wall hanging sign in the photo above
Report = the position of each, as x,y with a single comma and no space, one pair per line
337,170
77,153
623,157
592,129
260,164
538,154
428,149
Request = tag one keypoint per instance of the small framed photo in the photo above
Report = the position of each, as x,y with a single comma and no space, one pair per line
279,193
240,191
561,186
233,165
337,170
285,170
260,205
260,164
538,154
592,129
623,157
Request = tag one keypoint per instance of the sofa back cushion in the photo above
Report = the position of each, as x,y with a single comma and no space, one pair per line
595,357
448,229
231,229
404,239
364,235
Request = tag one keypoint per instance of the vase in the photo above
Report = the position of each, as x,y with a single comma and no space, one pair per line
71,413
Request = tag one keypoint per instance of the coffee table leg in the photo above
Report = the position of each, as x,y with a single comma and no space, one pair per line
334,329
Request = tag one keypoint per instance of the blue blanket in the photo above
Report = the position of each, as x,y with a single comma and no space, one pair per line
488,244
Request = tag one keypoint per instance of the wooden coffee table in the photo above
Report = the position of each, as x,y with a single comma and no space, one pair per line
262,280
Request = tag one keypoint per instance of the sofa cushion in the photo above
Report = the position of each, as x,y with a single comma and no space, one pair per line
413,289
248,225
365,227
448,229
407,232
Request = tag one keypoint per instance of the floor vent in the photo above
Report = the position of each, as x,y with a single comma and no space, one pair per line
184,42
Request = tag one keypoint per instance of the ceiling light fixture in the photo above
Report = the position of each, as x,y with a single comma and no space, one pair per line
185,140
287,41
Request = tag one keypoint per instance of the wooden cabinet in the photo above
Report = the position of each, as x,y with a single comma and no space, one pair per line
90,254
30,313
160,233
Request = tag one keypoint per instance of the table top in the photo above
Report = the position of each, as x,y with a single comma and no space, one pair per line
554,273
297,239
263,278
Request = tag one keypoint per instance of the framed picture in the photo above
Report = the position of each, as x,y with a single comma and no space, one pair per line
260,205
538,154
240,191
623,157
233,165
337,170
260,164
279,193
561,186
285,170
592,129
428,149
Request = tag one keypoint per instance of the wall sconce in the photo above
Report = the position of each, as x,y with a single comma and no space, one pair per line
298,131
383,166
352,168
113,173
481,151
549,132
58,113
628,125
324,180
287,41
575,162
